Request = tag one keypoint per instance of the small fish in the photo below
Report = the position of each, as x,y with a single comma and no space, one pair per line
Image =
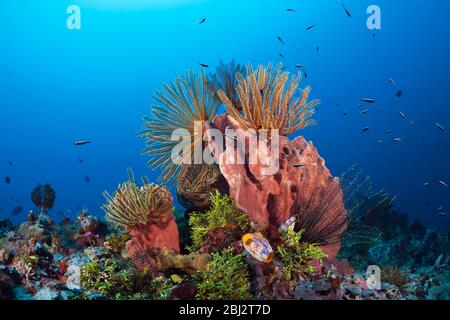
402,115
367,100
202,21
412,123
283,68
426,184
80,160
7,180
397,139
299,66
365,111
203,65
16,211
281,55
310,27
290,10
388,131
11,164
346,11
176,278
440,208
379,141
317,49
305,74
399,93
365,129
442,183
344,113
87,179
391,81
280,40
441,127
359,106
82,142
442,214
298,165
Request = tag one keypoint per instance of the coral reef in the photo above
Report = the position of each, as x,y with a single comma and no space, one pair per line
303,186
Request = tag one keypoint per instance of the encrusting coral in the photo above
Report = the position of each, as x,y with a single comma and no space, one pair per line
145,212
267,98
184,102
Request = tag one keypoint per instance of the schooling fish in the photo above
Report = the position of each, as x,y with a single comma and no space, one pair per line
426,184
367,100
443,214
365,129
290,10
397,139
11,164
299,66
7,180
346,11
310,27
280,39
402,114
87,179
82,142
441,127
202,20
203,65
283,68
442,183
399,93
412,123
281,55
391,81
365,111
388,131
80,160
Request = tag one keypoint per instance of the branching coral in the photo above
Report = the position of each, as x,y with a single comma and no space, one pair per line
134,205
298,257
267,98
225,278
222,214
182,103
225,79
196,185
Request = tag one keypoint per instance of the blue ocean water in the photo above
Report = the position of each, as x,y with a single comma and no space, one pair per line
58,86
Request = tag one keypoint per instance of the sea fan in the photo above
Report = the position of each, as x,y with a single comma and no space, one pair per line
267,98
43,196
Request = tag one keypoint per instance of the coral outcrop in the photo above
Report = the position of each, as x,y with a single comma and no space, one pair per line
298,187
145,213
